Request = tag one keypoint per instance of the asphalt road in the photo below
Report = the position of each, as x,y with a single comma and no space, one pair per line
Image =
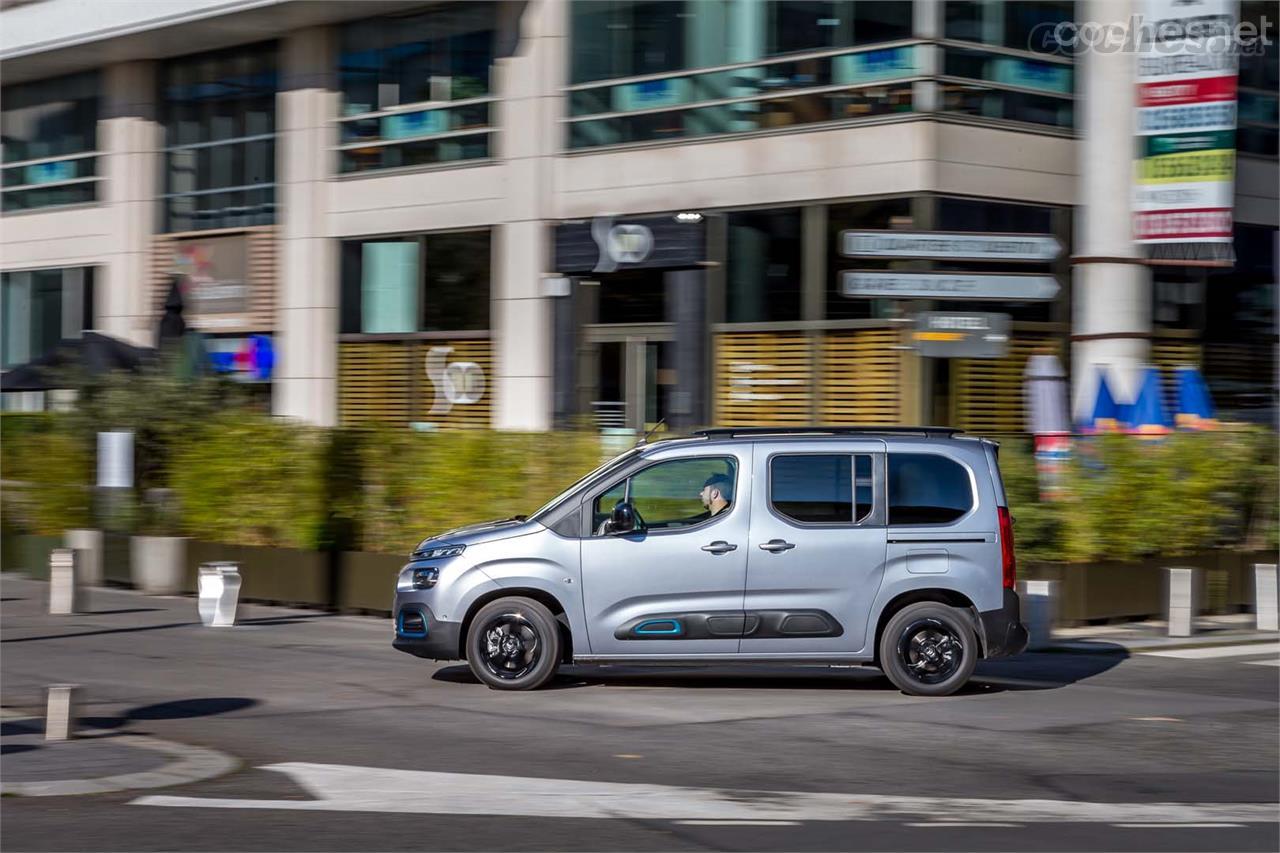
347,744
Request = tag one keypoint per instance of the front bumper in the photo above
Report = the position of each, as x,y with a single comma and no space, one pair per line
436,640
1003,633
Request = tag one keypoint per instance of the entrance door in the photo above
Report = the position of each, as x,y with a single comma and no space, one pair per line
673,586
817,550
635,378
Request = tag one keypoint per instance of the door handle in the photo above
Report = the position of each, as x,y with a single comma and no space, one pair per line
776,545
719,547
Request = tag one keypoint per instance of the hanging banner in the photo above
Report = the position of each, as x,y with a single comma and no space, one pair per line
1186,119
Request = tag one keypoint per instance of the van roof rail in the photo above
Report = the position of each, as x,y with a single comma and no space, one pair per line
925,431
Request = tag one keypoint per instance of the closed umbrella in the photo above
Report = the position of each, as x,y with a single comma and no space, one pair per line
1195,405
1149,415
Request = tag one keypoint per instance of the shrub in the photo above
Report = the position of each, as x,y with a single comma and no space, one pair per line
48,470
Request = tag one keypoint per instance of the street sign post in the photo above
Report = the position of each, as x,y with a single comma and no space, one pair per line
948,285
959,334
946,246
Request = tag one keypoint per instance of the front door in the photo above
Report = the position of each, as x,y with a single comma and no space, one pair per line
673,586
817,550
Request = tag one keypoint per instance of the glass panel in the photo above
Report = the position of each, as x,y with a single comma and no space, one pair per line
49,118
1016,106
763,266
682,492
425,152
1019,24
632,296
1013,71
796,25
389,286
457,282
50,196
812,488
926,488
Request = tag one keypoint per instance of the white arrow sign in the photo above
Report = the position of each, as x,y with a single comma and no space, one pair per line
948,285
338,787
929,244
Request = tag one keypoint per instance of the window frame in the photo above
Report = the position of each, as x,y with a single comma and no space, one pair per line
879,489
589,499
974,492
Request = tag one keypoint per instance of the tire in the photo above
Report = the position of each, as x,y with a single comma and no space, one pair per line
513,644
929,649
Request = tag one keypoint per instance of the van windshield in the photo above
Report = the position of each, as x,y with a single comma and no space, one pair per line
609,465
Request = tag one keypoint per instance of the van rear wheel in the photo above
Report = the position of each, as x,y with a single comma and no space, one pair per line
513,644
929,649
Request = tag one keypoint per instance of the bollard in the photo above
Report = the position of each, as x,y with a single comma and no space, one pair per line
1039,612
60,716
1266,606
219,588
91,543
1181,601
64,581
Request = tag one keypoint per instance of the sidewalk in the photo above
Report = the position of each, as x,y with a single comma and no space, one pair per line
1233,629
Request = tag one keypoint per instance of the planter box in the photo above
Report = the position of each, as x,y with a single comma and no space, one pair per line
157,564
28,553
368,580
278,575
91,543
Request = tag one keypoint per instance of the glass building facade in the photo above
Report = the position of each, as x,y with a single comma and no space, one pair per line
50,137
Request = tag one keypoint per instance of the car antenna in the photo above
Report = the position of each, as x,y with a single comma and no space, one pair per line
644,439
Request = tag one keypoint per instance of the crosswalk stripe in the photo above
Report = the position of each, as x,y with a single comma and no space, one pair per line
1242,650
1272,662
373,789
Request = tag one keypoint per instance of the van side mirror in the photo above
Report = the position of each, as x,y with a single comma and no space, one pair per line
623,518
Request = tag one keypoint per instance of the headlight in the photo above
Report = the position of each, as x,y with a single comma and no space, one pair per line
439,552
425,578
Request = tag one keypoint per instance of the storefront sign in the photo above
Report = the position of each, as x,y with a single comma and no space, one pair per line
1185,175
924,244
948,285
248,359
216,273
961,335
608,243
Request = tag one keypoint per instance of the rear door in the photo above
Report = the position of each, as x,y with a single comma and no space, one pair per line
817,547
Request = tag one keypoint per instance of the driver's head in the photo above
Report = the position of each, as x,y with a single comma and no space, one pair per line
716,492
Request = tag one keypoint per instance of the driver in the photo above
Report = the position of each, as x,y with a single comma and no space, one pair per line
716,494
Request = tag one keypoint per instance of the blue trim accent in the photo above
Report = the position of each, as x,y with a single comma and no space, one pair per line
675,629
400,624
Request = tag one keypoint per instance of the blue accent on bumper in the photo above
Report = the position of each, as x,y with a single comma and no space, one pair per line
400,629
660,626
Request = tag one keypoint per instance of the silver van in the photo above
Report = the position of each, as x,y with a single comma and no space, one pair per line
889,547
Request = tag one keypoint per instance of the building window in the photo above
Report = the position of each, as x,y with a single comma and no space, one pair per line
868,215
41,308
740,90
219,119
416,89
1259,79
762,268
416,283
1035,88
50,132
925,488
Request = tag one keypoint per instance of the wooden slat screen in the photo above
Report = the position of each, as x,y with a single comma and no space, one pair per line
987,393
1168,355
763,379
262,261
387,381
861,378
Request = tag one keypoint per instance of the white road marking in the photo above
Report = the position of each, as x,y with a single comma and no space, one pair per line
955,824
1179,825
1238,651
738,822
1272,662
372,789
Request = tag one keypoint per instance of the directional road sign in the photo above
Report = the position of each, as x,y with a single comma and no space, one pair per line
961,334
948,285
943,246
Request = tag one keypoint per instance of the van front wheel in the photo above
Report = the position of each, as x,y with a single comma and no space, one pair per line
928,649
513,644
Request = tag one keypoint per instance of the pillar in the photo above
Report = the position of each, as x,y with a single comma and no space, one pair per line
307,287
1111,287
131,166
686,306
528,83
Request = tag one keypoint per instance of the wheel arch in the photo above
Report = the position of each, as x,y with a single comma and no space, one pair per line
541,596
941,595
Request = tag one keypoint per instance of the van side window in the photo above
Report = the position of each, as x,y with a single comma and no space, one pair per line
925,488
669,494
820,488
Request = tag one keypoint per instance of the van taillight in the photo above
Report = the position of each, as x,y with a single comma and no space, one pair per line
1008,563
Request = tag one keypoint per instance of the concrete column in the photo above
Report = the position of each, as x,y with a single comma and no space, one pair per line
529,84
686,299
307,288
131,165
1111,288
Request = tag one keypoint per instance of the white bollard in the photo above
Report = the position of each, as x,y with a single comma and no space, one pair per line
1181,602
64,581
1266,606
60,716
1039,612
219,588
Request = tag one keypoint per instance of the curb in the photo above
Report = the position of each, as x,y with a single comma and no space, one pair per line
1092,646
190,764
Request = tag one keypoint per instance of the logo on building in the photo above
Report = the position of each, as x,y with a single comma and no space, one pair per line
457,383
625,243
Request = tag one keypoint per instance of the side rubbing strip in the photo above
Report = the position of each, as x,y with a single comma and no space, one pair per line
730,624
